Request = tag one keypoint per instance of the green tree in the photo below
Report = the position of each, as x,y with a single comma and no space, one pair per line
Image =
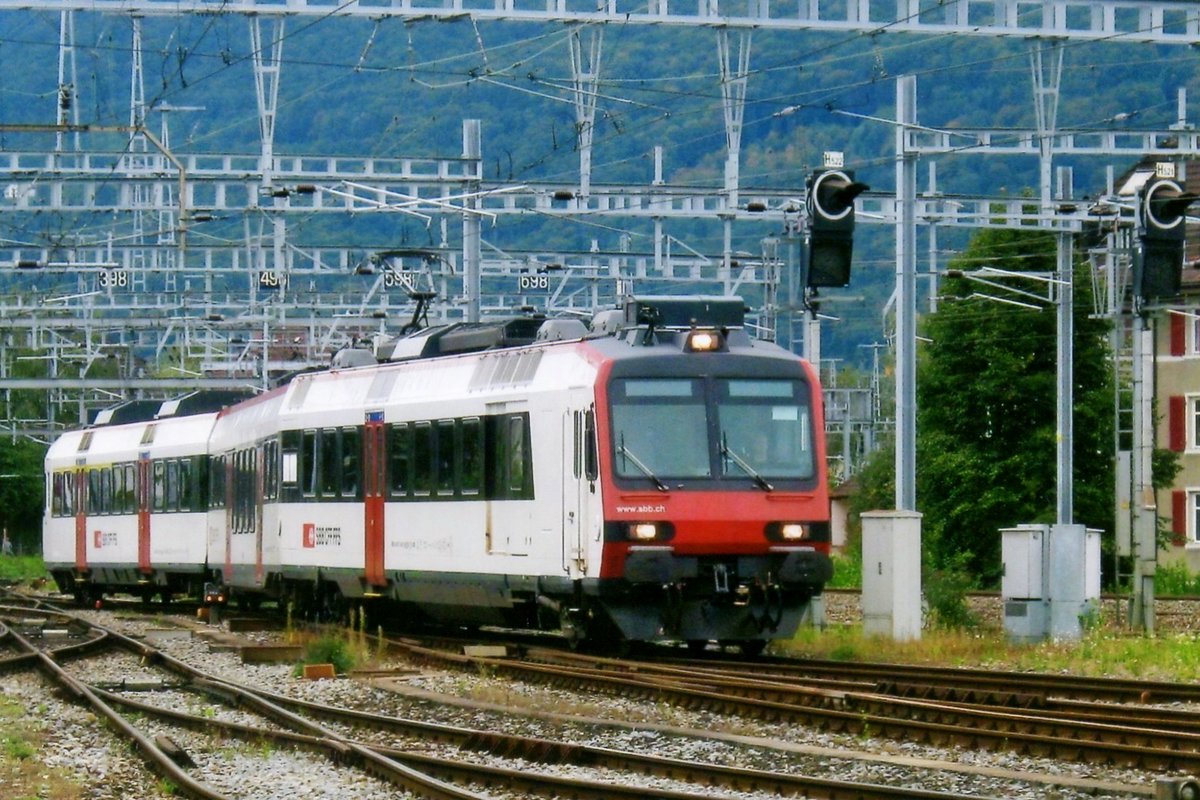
986,424
22,488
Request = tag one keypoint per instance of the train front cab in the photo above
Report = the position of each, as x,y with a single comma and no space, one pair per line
716,504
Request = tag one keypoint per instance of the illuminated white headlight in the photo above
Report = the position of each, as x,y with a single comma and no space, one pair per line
703,341
792,532
643,531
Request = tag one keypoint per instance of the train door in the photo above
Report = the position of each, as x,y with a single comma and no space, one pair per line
578,472
143,495
260,484
373,481
230,484
79,477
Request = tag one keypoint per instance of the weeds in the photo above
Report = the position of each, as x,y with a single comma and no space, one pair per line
1176,579
328,649
946,594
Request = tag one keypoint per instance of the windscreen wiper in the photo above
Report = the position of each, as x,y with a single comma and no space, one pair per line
637,462
749,470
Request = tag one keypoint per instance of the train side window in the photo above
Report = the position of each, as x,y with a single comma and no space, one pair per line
289,460
520,478
70,493
56,494
330,461
591,462
216,482
445,457
160,489
351,454
577,444
129,493
308,463
400,459
271,469
199,483
172,503
185,484
118,489
471,481
93,505
423,459
106,490
234,498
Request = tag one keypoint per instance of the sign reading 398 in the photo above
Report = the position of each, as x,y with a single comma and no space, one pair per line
113,279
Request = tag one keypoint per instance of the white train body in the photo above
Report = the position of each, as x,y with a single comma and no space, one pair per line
602,486
125,503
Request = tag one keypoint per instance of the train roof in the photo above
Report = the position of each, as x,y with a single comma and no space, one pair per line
129,411
656,313
207,401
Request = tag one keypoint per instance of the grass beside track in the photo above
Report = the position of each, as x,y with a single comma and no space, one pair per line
1101,652
22,771
22,569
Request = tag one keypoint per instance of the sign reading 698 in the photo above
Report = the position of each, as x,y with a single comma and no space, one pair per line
539,283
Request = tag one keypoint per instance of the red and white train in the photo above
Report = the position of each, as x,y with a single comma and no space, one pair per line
660,475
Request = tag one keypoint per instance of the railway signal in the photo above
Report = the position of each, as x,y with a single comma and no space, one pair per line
1162,217
830,202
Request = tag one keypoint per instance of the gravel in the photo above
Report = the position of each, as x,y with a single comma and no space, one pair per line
76,743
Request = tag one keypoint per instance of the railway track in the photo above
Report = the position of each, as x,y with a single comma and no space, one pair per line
366,742
1028,724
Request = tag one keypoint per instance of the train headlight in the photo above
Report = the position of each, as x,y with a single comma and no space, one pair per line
703,341
787,531
644,532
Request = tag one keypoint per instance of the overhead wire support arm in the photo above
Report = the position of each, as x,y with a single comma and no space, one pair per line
1156,21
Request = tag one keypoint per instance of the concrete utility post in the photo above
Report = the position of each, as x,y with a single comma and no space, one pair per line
1145,548
906,297
472,226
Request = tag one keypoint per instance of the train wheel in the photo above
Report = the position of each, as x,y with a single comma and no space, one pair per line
753,648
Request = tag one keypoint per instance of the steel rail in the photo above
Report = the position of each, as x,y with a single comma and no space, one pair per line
1137,718
550,752
149,749
1067,686
861,712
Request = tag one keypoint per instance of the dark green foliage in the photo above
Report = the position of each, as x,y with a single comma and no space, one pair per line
945,591
986,447
21,490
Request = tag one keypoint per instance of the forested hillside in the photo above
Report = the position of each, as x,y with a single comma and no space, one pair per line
388,88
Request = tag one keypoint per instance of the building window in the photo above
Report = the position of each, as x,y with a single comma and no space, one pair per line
1193,422
1192,535
1193,332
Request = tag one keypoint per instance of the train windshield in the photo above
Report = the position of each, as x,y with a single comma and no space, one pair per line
765,427
660,428
724,428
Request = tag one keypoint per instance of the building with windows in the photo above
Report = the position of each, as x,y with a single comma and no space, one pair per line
1177,389
1177,401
